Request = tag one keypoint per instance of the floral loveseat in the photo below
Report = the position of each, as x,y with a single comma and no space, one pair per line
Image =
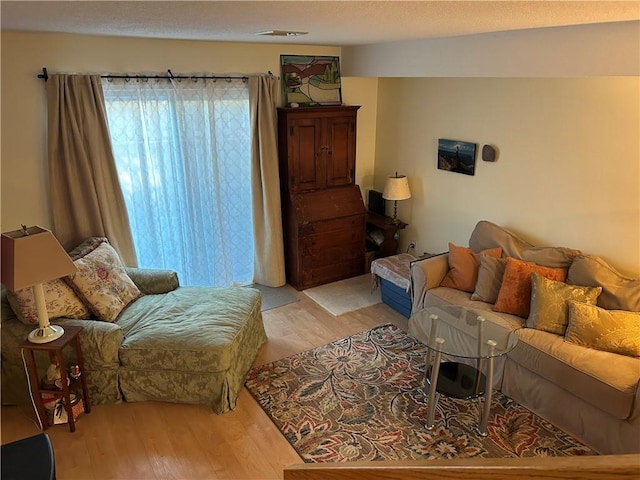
144,337
577,361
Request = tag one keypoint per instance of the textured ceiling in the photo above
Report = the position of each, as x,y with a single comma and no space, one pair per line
328,22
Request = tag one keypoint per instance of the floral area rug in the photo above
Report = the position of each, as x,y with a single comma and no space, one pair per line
362,398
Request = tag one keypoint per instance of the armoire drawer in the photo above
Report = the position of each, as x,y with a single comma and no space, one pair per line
330,273
319,257
321,241
354,222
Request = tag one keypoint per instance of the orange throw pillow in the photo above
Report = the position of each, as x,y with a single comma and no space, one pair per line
464,264
515,292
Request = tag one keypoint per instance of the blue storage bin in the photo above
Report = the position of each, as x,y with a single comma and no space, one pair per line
396,297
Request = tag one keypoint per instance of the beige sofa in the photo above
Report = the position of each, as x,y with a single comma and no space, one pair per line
594,395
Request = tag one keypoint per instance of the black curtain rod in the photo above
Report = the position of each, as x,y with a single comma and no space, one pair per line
170,76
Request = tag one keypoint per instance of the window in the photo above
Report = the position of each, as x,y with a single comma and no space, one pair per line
183,153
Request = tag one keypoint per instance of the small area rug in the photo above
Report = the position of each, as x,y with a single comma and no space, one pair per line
273,297
345,295
361,398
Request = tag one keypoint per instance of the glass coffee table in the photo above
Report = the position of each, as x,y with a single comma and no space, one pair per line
468,342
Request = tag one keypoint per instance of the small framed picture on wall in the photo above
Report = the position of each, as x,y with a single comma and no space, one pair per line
457,156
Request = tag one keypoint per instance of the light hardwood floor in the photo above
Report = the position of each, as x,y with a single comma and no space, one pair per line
154,440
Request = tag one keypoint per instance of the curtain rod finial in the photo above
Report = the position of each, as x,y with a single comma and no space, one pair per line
44,75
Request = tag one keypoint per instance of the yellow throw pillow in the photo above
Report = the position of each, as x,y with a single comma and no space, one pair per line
515,292
463,267
102,282
615,331
549,309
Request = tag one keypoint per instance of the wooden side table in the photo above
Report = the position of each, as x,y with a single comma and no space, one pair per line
389,245
54,349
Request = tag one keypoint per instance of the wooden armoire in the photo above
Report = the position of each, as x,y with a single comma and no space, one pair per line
323,212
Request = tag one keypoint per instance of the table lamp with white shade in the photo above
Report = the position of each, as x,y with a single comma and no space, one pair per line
32,256
396,188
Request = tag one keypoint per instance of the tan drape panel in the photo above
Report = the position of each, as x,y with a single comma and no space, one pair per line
267,215
86,198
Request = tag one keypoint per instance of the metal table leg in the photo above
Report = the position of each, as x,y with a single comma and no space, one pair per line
435,369
488,389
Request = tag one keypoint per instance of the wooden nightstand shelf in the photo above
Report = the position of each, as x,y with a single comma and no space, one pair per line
54,349
389,230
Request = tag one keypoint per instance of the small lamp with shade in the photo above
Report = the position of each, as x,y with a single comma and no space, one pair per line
396,188
32,256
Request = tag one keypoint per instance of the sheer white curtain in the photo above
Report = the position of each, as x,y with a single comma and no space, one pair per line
183,155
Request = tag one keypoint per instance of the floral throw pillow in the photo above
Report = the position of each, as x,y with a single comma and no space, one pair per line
102,282
60,299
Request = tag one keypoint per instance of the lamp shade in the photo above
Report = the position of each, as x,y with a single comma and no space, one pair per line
31,256
396,188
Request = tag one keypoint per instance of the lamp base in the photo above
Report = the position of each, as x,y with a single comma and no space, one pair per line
46,334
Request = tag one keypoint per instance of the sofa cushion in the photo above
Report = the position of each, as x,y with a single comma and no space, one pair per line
102,282
613,331
489,235
463,267
549,308
151,281
515,292
556,257
60,299
604,380
489,281
190,329
442,296
618,291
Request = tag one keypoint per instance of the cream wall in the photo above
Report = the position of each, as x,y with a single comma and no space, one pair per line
567,171
569,51
23,162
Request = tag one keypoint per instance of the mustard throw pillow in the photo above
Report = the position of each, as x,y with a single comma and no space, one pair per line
549,309
463,267
615,331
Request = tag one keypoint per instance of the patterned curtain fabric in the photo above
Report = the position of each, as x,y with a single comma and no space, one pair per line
183,154
267,213
86,199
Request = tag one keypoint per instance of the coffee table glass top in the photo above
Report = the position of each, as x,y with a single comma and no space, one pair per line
464,332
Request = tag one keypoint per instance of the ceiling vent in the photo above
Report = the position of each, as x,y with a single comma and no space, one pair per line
281,33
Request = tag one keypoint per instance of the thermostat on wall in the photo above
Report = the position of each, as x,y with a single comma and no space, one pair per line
488,153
